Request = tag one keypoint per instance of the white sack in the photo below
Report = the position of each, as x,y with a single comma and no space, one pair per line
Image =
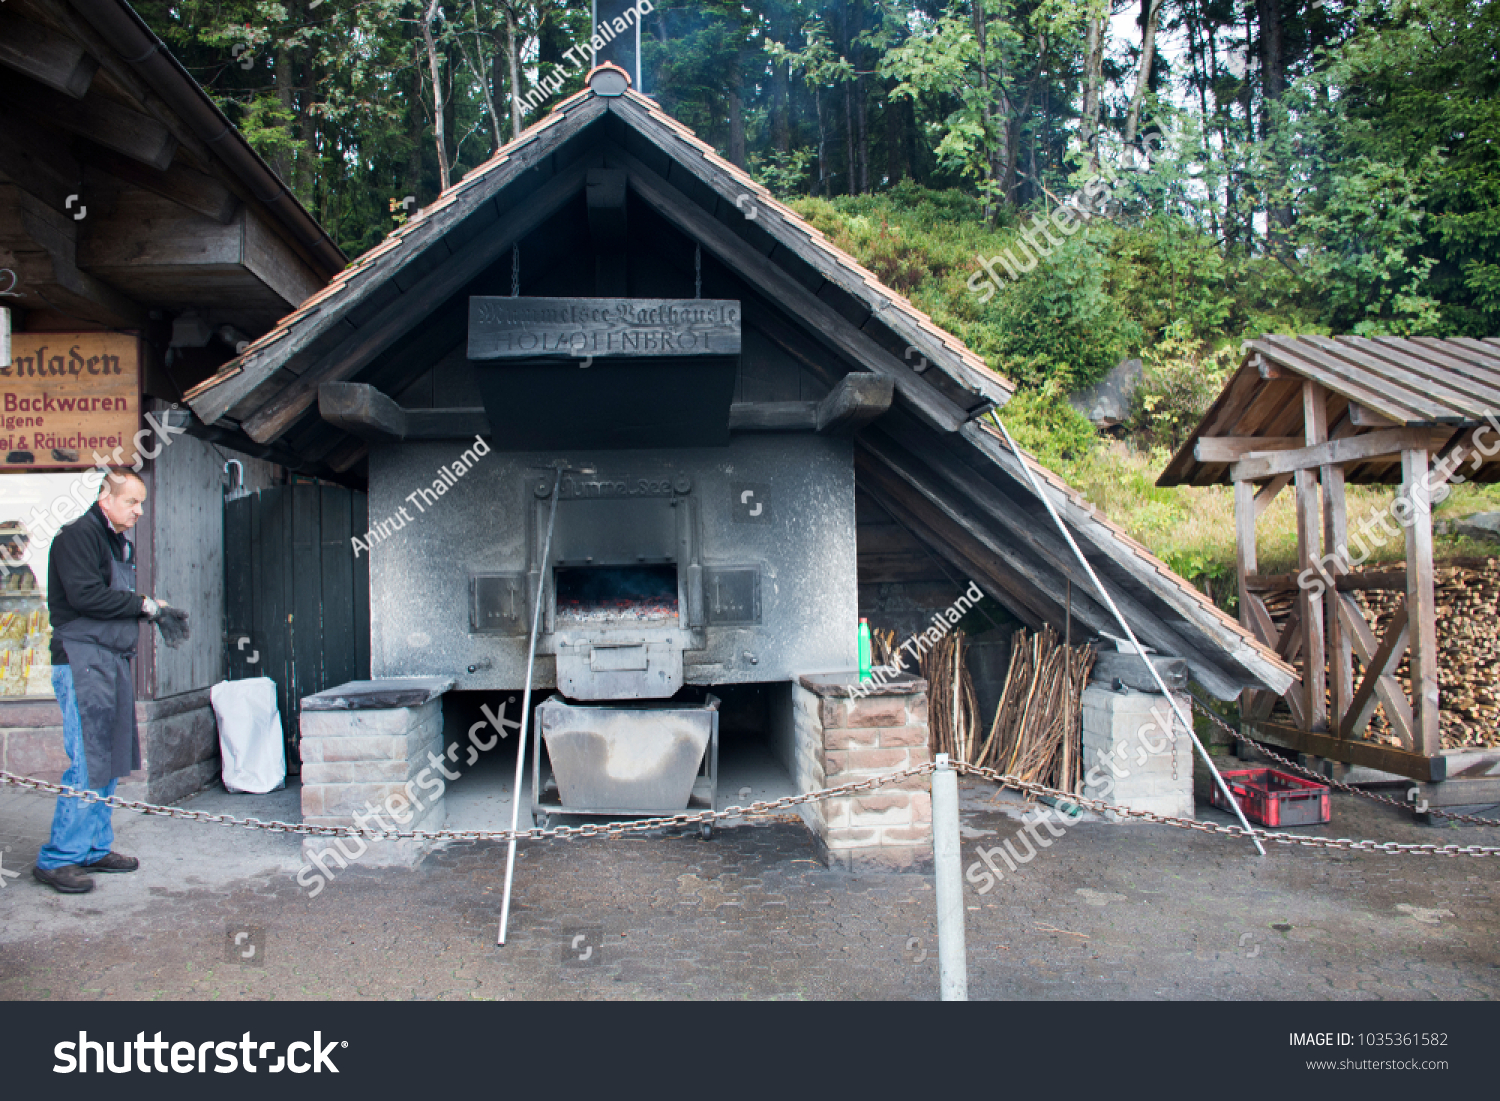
249,735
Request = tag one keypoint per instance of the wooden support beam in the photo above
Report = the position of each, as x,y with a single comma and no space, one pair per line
363,345
1266,369
1309,555
1421,604
1349,449
362,411
857,400
42,54
773,416
1336,539
1362,416
184,186
1366,754
1267,493
1380,667
1386,580
1245,561
1389,690
101,120
1231,449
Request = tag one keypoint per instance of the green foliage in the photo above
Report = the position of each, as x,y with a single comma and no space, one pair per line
1364,241
1042,421
1060,321
783,174
1180,379
1403,172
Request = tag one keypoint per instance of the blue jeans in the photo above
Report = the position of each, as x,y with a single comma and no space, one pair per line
81,831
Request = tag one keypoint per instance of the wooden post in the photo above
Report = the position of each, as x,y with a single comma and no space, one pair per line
1335,542
1421,606
1309,552
1245,565
1340,649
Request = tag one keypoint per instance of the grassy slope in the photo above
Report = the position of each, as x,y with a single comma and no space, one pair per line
924,243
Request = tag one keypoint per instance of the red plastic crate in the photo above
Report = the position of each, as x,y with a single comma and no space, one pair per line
1273,798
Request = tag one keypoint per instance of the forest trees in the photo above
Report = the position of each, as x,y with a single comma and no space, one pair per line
1342,154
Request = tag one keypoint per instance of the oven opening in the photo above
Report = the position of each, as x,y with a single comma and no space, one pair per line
615,594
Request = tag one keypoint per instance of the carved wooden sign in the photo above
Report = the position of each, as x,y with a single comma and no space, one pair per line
69,399
572,328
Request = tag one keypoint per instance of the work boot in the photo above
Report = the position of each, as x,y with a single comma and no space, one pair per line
112,862
68,880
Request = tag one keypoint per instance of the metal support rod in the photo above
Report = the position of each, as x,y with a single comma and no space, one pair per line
1186,721
515,794
953,967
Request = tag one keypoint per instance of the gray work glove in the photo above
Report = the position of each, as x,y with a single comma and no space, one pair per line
171,622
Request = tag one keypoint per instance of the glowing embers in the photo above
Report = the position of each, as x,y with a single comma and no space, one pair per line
616,594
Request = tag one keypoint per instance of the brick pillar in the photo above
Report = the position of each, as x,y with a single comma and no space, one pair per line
357,760
841,737
1128,751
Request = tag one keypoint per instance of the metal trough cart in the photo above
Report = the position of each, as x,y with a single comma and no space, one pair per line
643,758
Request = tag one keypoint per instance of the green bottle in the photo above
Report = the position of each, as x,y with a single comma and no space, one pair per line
864,651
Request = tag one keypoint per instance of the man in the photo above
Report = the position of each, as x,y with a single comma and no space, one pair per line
94,608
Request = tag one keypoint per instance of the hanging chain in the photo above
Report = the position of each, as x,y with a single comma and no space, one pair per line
617,829
1213,717
697,271
515,271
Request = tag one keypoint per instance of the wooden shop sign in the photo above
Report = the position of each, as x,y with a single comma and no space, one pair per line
573,328
69,400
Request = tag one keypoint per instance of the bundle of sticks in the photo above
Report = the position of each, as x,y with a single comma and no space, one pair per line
1037,733
953,720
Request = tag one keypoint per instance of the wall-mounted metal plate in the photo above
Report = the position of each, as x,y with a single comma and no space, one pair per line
731,597
497,603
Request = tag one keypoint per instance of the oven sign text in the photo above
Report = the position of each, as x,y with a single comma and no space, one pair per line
575,488
530,328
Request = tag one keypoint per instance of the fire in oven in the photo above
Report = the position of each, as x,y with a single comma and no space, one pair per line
613,596
624,588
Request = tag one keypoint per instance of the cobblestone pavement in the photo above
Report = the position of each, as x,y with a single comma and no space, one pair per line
1107,911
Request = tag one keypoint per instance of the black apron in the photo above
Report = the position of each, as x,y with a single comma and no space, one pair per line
99,653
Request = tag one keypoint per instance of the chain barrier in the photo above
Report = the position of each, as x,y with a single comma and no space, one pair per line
1213,717
644,825
1306,841
537,833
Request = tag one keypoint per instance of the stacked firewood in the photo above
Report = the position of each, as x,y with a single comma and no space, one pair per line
1037,732
953,720
1467,598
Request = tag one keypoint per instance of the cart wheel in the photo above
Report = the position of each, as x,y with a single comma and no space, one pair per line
705,830
539,819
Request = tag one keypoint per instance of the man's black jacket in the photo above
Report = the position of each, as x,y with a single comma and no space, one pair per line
78,573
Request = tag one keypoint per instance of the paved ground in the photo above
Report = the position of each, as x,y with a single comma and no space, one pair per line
1108,911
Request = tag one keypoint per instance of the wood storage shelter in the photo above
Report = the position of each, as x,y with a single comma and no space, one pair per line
609,197
1316,413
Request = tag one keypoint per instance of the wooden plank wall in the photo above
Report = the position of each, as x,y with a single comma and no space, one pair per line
186,518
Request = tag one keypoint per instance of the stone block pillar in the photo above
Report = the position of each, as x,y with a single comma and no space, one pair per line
371,765
841,737
1128,744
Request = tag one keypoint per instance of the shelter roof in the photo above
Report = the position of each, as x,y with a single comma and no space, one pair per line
1370,384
